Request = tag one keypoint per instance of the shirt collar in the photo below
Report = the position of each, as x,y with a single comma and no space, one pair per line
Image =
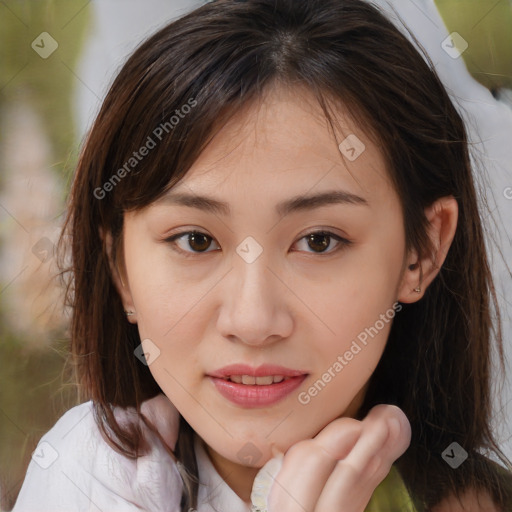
214,494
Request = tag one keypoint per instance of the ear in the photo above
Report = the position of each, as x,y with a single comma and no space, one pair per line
119,275
420,272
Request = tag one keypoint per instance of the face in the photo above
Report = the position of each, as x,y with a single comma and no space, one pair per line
309,286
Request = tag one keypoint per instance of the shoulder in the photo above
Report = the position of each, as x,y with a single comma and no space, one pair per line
76,441
73,467
74,437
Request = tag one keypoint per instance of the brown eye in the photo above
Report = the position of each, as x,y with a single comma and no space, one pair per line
199,241
192,243
318,241
195,240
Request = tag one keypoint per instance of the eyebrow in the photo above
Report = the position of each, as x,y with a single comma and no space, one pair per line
294,204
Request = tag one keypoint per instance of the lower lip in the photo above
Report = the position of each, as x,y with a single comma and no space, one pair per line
256,396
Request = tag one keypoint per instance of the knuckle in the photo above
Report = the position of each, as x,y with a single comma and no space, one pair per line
300,450
347,422
339,427
349,473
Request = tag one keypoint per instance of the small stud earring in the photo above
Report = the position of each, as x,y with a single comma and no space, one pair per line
417,289
129,313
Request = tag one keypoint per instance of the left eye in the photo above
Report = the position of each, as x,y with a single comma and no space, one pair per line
199,241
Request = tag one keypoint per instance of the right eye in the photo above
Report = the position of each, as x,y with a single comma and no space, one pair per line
196,240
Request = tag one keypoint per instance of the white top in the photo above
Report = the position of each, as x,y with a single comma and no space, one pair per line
84,474
74,469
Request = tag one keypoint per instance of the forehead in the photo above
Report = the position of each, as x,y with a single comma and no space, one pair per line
282,145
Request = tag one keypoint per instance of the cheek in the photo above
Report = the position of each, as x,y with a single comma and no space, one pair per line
164,294
169,299
344,363
357,310
363,288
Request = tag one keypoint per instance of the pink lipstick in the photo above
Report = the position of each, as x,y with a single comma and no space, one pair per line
256,387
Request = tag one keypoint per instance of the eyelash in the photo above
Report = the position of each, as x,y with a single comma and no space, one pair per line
343,242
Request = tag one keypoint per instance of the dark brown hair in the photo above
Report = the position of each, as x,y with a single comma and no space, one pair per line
437,363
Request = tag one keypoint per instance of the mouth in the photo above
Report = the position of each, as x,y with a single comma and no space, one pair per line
250,380
256,387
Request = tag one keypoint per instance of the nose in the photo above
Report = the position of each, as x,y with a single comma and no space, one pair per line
254,309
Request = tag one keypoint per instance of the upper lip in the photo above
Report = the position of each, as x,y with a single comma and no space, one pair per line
260,371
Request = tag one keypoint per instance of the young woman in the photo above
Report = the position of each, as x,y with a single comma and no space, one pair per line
276,252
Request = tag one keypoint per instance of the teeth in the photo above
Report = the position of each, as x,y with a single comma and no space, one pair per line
259,381
247,379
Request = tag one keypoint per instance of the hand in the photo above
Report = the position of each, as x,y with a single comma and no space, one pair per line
340,468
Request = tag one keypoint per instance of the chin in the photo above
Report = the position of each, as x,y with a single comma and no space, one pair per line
248,451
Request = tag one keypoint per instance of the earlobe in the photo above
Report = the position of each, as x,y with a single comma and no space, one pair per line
442,216
120,281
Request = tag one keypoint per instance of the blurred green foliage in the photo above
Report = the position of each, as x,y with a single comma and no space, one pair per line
486,25
391,495
47,84
33,394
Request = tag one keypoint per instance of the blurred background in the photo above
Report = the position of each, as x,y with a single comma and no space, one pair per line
57,60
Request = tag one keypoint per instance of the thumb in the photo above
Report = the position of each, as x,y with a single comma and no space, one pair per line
263,482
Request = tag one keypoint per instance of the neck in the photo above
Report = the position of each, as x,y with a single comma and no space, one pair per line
240,478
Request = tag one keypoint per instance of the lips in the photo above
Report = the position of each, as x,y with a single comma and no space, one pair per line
256,387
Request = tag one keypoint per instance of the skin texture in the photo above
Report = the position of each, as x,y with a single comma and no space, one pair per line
292,306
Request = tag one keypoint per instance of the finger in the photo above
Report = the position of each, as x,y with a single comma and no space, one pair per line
383,424
316,458
306,467
264,481
400,428
339,437
355,478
